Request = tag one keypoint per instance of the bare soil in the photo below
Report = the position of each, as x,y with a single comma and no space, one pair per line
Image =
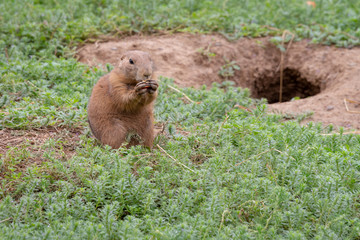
28,147
321,76
20,149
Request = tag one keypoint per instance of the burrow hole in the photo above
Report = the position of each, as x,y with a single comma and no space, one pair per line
294,86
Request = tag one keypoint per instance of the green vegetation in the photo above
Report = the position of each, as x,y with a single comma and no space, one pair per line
232,174
228,69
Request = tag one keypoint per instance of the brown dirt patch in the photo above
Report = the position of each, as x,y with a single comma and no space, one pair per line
22,148
322,76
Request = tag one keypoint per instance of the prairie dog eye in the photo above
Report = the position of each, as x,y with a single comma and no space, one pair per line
131,61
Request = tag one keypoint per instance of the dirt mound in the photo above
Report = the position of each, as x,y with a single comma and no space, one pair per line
321,76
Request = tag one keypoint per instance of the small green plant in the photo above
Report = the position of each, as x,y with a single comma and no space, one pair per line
206,52
295,99
228,69
260,43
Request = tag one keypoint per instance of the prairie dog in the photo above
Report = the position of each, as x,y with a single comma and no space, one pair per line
121,103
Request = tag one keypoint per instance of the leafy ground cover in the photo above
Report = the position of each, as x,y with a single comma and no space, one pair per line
221,168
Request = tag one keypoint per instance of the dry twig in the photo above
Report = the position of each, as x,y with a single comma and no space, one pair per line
227,116
271,28
285,33
97,44
347,108
6,55
6,220
244,108
185,96
345,133
257,155
174,159
223,218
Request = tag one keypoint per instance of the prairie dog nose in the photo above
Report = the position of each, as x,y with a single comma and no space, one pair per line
147,75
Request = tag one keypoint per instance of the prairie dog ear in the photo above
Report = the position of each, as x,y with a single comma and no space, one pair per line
122,57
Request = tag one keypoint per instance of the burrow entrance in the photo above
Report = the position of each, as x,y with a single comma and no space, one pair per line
294,86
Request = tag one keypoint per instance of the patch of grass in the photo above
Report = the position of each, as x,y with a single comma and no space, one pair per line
53,28
226,169
249,174
45,93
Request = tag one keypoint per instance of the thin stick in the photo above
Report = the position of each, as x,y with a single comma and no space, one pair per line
345,133
187,98
276,150
223,218
350,36
244,108
6,220
347,108
267,222
32,84
97,44
271,28
178,162
271,171
352,101
282,61
227,116
257,155
6,55
281,76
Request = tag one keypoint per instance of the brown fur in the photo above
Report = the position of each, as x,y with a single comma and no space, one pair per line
121,103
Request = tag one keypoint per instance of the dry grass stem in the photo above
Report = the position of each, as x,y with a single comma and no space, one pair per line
185,96
257,155
347,108
271,28
282,57
174,159
223,218
244,108
6,54
345,133
226,118
227,115
6,220
271,172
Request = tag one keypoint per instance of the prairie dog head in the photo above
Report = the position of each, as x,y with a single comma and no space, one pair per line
136,66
